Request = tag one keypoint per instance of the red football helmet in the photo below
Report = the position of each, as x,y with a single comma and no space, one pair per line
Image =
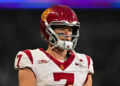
59,15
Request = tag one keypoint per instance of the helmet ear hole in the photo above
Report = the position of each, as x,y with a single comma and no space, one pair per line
52,40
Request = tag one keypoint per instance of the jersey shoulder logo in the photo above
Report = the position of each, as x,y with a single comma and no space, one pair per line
42,61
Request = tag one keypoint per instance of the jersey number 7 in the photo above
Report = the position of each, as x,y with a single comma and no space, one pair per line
68,76
19,58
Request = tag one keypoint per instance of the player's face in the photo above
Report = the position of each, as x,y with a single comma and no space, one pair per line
64,30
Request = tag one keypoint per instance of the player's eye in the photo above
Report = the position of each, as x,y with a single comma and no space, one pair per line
70,29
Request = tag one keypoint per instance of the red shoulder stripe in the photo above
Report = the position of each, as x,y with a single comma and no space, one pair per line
28,53
88,59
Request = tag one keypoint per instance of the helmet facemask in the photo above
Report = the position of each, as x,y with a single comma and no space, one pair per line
54,38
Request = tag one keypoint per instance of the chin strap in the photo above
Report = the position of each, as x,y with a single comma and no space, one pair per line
65,44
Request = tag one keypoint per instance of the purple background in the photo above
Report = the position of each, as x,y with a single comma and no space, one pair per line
72,3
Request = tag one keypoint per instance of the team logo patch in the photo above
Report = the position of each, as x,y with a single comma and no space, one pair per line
45,14
62,67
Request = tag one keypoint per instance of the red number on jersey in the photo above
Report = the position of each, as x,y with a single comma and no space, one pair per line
68,76
19,57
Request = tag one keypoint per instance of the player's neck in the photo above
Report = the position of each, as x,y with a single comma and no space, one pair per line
57,53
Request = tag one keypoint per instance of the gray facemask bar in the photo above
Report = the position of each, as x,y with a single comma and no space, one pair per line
65,23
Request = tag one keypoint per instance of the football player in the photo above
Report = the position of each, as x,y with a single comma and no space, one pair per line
59,65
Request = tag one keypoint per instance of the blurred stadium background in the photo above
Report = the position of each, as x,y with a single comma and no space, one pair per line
99,35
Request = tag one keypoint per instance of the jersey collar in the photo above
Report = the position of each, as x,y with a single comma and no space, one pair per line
61,65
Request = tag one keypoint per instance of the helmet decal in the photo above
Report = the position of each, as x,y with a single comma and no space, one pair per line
45,14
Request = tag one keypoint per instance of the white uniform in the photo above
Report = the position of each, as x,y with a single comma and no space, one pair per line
51,72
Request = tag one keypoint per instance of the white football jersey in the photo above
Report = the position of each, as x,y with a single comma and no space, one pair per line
51,72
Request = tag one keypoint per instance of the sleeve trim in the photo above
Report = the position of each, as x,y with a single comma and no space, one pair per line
28,53
88,59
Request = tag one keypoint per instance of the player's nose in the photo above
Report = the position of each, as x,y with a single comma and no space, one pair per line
66,31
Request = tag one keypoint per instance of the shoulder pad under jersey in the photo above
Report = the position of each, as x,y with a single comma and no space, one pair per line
23,59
